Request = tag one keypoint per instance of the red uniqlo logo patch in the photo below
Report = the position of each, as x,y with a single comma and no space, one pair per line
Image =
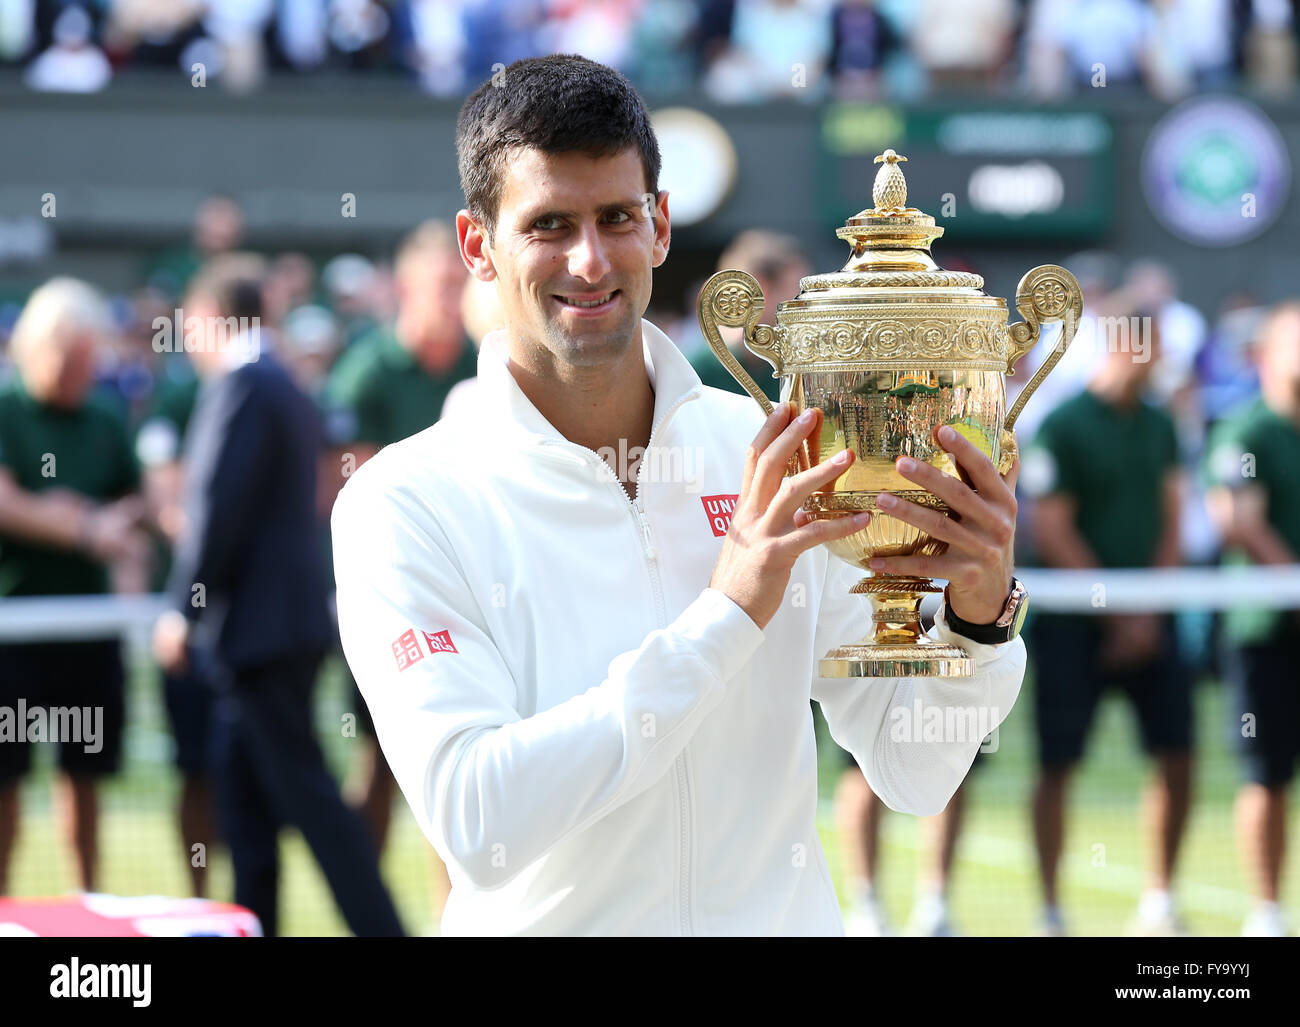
719,510
407,650
439,642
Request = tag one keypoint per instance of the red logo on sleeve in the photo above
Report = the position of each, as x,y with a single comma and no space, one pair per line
407,650
719,510
439,642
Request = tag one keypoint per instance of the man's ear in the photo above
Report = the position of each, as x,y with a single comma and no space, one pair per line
475,247
663,230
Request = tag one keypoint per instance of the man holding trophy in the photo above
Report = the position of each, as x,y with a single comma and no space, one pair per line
592,680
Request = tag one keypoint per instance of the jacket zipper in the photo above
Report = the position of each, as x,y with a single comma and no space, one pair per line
651,556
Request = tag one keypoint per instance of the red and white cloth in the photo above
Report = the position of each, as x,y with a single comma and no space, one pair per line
93,915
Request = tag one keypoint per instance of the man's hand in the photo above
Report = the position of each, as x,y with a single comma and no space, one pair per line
171,634
766,536
64,503
1130,640
980,557
109,532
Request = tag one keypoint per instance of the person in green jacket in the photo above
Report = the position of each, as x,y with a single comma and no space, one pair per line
69,517
1104,473
390,384
1253,465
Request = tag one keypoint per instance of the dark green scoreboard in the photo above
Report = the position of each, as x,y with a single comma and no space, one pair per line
984,174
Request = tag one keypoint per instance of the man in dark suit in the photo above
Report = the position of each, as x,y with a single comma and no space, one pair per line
248,586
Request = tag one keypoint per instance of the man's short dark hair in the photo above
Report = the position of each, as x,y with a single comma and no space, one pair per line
558,104
233,282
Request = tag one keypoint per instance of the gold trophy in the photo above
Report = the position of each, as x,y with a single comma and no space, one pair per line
890,348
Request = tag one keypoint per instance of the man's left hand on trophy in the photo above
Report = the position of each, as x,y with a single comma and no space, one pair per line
979,560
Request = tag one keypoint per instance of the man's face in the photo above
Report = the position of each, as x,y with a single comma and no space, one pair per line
200,327
429,287
1280,353
576,241
62,374
218,225
784,286
1146,352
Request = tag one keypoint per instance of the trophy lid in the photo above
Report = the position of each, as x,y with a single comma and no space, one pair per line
891,244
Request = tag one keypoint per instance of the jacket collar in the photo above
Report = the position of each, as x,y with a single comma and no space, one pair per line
504,404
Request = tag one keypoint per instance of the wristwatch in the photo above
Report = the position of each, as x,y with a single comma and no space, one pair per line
1004,629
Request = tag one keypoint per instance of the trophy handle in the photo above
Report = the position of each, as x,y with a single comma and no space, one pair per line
1047,293
1008,451
733,298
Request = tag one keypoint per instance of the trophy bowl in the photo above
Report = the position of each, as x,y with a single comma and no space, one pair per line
890,348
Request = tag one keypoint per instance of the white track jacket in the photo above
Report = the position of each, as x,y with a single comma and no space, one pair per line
596,742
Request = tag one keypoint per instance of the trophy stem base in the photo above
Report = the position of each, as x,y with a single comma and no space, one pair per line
898,647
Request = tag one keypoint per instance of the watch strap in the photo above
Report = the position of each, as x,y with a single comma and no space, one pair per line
1004,629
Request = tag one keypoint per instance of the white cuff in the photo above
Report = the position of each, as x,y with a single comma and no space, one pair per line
721,632
980,652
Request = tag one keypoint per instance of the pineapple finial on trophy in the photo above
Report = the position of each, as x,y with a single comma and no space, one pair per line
889,193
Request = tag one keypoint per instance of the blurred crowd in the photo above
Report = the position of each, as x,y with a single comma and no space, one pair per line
737,51
133,458
1156,441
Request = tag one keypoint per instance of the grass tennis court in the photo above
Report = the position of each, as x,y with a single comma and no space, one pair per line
994,889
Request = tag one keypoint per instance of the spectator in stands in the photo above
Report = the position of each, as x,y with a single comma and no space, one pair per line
1150,285
309,340
1104,471
661,61
74,64
360,30
1254,465
963,44
429,37
500,33
600,30
1072,45
300,38
777,262
778,49
712,36
125,364
248,585
17,29
862,40
290,283
236,27
1269,46
351,283
1226,367
153,32
68,512
1192,47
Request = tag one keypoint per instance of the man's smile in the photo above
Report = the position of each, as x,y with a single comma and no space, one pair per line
589,304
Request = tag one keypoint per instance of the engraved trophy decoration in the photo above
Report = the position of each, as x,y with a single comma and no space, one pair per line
890,348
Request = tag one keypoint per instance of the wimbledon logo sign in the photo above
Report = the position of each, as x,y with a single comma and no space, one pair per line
1215,171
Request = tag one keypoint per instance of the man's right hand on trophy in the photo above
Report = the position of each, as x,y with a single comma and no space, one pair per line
980,557
768,531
